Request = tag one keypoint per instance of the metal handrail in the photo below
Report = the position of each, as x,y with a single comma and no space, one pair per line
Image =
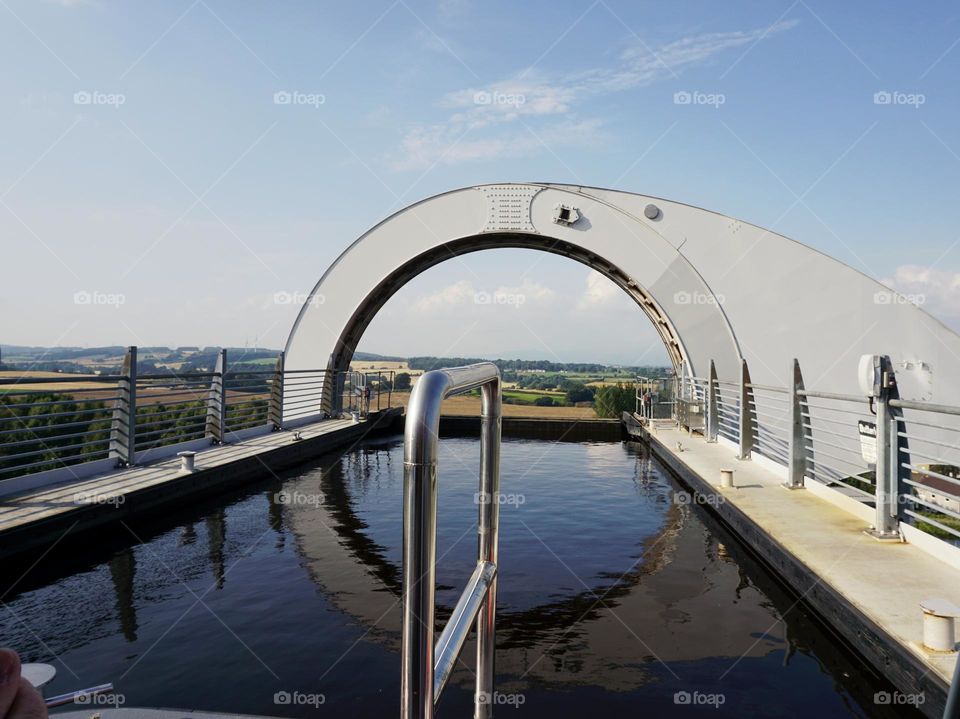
425,666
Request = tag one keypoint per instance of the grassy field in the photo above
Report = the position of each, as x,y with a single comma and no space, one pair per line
70,381
108,390
467,405
37,373
523,395
379,364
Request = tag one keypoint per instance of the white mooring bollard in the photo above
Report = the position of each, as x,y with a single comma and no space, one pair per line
726,478
939,626
186,461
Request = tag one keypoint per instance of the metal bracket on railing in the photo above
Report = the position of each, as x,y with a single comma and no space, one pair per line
799,434
123,424
275,408
746,420
217,402
425,666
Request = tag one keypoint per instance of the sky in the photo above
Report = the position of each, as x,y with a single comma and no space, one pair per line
157,189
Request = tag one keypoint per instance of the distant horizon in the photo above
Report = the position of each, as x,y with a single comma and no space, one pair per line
4,347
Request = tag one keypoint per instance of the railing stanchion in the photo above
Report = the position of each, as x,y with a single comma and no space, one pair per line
275,410
887,485
746,421
713,413
674,405
489,531
326,393
217,402
797,466
123,425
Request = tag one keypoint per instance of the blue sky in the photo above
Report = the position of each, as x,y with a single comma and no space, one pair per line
147,165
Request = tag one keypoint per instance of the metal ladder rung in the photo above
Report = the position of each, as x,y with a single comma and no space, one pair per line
455,633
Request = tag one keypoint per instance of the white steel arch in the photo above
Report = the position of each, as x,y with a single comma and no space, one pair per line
715,287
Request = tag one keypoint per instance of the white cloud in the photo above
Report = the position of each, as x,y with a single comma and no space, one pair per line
453,295
507,99
534,292
477,317
494,110
466,294
599,292
938,291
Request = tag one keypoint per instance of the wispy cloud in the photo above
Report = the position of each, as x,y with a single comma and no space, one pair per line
517,115
448,144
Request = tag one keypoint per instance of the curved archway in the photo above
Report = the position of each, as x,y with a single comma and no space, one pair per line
716,288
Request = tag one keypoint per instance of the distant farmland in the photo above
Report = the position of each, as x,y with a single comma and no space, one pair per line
107,390
470,406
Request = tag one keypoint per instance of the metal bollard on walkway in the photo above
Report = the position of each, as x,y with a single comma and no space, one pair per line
187,460
726,478
939,625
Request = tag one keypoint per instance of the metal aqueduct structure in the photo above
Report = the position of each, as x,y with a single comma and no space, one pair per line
716,288
785,353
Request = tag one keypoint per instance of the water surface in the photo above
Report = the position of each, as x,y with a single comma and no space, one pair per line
615,597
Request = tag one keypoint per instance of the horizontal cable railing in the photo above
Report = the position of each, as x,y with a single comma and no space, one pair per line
899,457
49,422
55,422
931,474
169,409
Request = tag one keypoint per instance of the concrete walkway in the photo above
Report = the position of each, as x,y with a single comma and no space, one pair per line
869,591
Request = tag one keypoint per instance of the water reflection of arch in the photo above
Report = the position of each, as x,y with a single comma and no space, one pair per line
554,640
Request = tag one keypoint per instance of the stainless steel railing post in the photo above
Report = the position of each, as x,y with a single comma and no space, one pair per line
424,670
887,473
799,439
713,414
419,580
216,422
123,424
746,438
275,403
489,530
